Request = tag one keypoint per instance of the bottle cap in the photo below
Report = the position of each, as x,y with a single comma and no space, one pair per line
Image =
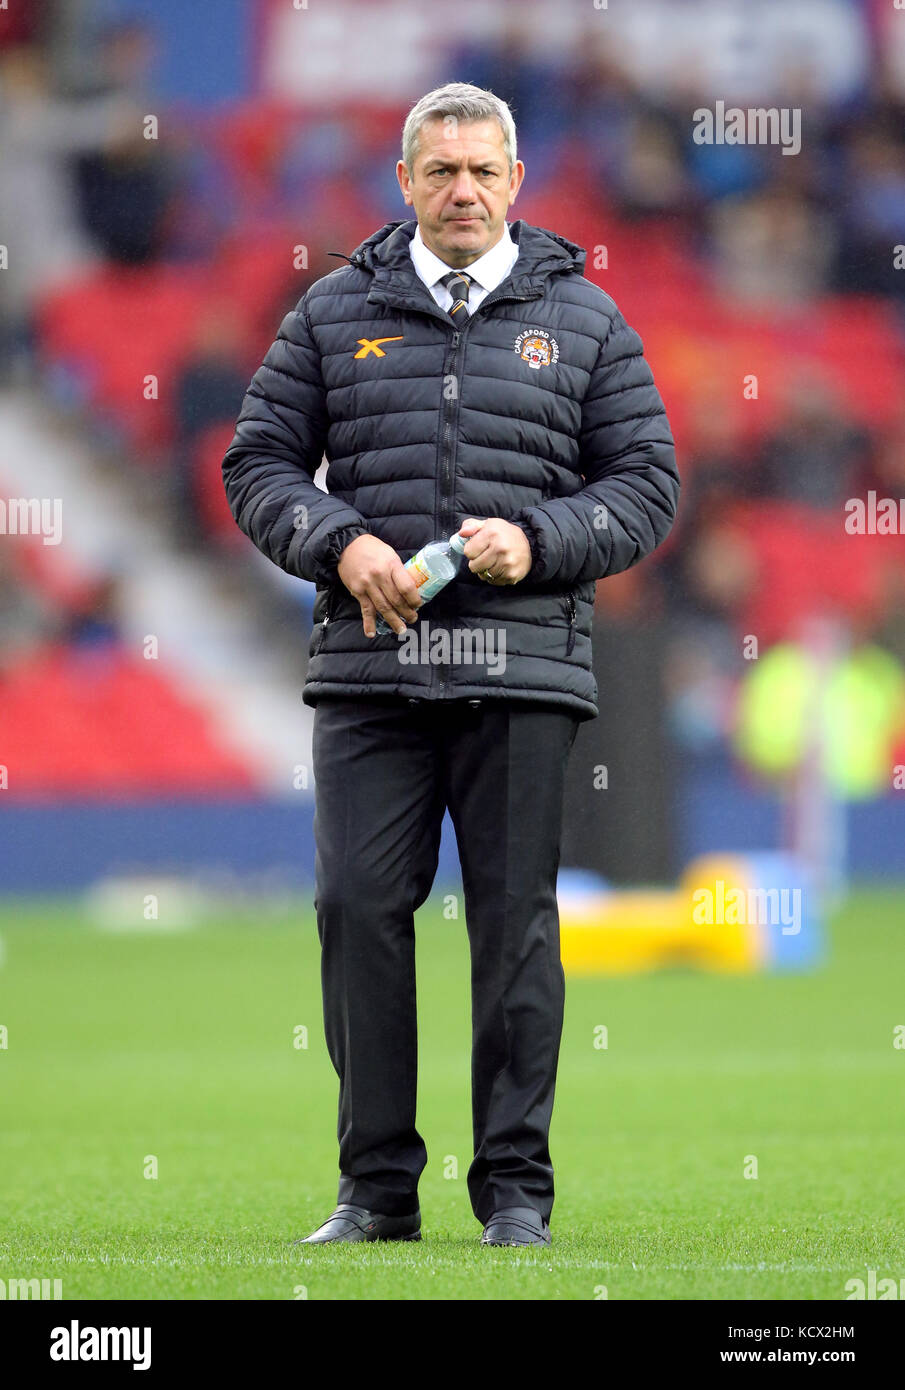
458,543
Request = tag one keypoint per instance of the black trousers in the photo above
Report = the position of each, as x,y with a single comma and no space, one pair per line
385,771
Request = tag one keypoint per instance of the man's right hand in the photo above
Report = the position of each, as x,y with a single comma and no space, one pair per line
374,574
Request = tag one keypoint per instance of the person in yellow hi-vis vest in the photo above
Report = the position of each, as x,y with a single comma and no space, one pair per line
863,708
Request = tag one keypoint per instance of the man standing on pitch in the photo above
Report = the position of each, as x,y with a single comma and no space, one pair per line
460,373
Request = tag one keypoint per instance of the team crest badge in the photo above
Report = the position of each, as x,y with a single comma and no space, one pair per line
537,348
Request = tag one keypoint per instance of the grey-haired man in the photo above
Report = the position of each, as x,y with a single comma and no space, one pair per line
461,374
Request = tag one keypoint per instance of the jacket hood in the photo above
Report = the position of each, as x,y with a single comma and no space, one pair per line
541,252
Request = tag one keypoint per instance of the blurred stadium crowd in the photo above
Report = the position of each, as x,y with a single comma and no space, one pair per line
765,288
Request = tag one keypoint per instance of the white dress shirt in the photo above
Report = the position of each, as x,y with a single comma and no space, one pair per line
485,273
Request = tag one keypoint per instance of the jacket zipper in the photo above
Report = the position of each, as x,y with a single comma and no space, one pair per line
445,487
444,494
445,483
445,477
328,614
570,641
445,510
445,490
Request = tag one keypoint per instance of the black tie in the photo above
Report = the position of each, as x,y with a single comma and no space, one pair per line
457,283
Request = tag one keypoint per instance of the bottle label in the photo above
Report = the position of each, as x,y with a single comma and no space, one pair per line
417,571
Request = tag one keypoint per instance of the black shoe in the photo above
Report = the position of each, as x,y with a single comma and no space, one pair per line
357,1223
516,1226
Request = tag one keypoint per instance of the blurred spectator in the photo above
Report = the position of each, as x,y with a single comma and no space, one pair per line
773,247
125,191
884,467
873,221
25,620
531,78
212,382
653,181
719,571
604,108
41,221
93,621
815,454
209,391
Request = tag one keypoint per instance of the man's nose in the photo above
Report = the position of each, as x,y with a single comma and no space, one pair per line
463,188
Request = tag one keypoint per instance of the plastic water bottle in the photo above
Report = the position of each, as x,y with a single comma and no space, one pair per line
432,568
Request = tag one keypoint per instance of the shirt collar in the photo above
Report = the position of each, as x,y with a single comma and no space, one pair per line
489,270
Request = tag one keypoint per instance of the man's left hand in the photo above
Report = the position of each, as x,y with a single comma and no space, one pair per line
497,551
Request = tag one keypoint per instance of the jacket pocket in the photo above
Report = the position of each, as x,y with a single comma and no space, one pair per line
320,636
572,616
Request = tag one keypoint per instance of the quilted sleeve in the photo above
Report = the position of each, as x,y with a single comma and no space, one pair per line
278,446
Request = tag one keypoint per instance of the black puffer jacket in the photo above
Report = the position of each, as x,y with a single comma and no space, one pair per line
540,409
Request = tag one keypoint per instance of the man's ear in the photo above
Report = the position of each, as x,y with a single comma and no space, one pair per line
405,183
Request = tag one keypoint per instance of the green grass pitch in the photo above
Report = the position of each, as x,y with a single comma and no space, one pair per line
180,1046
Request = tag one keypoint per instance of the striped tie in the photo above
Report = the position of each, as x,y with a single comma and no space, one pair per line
457,283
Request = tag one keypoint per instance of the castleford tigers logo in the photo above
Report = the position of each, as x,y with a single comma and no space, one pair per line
369,345
537,348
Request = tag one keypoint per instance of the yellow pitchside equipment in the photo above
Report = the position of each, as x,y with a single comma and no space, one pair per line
730,912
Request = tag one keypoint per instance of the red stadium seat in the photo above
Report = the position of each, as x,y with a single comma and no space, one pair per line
121,326
98,723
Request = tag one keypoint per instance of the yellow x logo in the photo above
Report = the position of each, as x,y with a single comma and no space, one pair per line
370,345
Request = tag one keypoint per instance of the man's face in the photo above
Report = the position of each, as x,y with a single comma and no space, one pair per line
461,188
